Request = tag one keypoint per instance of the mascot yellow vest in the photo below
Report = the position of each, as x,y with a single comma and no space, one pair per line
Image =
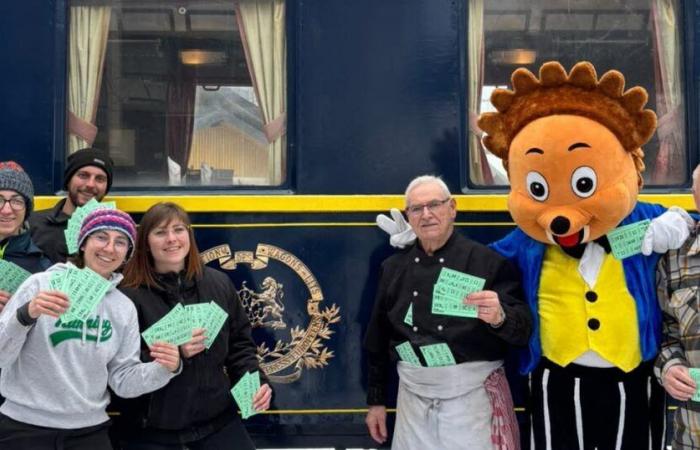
575,319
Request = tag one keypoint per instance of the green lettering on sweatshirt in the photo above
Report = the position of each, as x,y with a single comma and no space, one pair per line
74,330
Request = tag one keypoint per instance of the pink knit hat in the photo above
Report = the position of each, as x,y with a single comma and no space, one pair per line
108,219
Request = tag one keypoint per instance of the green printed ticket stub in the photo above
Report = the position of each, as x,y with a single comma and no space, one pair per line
437,355
695,375
214,323
173,328
460,281
11,276
408,319
85,289
406,353
244,391
76,220
627,240
448,303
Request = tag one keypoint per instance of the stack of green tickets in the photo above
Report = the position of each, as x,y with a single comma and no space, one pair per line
11,276
694,373
437,355
84,288
76,220
406,353
244,391
451,289
626,240
177,326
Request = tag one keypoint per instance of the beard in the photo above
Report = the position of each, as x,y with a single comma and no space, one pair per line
75,198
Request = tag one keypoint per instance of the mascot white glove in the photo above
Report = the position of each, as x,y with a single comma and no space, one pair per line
667,232
400,232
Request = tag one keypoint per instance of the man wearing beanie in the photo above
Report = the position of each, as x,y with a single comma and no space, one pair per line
88,175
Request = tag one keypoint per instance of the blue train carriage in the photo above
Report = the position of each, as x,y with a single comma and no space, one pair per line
285,127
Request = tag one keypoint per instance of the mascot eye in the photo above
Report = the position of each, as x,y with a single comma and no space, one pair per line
584,181
537,186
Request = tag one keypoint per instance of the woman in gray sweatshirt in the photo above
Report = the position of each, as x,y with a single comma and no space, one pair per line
55,372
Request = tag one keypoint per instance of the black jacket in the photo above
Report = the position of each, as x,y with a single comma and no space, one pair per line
47,227
21,250
201,393
408,278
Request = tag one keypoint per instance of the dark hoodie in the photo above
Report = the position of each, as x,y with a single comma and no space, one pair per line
21,250
200,395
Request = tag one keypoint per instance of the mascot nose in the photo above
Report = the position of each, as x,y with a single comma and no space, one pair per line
560,225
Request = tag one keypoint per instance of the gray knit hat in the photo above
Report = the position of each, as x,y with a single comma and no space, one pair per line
14,178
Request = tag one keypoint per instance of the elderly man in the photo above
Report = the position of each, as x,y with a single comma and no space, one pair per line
678,282
88,175
444,406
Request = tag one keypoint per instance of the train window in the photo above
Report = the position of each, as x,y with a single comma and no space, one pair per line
181,93
641,38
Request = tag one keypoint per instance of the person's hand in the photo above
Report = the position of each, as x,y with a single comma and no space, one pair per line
400,232
490,310
4,298
195,345
167,355
51,303
678,383
261,399
376,423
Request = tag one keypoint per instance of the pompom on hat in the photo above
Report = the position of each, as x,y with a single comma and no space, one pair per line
14,178
108,219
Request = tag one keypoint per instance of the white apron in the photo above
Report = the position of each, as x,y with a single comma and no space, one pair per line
443,408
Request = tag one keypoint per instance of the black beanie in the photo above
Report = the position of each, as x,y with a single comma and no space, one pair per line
88,157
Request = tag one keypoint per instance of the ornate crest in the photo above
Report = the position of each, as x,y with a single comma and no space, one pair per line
306,349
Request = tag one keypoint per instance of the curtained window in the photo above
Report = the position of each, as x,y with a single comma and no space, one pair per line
640,38
181,93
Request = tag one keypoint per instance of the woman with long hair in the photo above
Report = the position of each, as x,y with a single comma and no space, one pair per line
55,371
196,409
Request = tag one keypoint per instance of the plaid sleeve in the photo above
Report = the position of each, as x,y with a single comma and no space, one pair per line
672,352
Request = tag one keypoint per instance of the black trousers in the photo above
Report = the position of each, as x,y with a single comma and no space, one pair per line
233,436
16,435
586,408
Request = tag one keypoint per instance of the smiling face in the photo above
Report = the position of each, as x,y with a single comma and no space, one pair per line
87,183
571,180
169,244
104,251
431,213
12,213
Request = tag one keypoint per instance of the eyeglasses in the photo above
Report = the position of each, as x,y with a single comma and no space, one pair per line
16,203
417,210
120,243
177,230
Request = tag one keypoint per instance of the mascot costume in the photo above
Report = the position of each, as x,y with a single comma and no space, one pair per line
571,144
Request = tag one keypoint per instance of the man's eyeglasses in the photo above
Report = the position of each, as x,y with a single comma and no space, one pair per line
16,203
417,210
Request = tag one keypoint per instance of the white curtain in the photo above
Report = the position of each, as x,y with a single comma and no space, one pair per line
89,29
262,27
479,170
670,164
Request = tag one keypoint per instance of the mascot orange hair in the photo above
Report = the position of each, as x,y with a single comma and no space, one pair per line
571,144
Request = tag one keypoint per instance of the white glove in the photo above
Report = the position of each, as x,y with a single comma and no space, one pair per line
668,231
400,232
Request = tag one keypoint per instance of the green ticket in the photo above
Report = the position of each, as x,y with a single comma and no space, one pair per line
214,323
451,289
198,314
85,289
406,353
695,375
627,240
408,319
76,220
172,328
11,276
244,391
437,355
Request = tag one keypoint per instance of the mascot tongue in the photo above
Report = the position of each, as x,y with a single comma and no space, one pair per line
568,241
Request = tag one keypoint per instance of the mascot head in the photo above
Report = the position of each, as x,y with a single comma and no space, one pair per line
571,144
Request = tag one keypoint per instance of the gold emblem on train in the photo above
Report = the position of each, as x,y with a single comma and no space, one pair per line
265,305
